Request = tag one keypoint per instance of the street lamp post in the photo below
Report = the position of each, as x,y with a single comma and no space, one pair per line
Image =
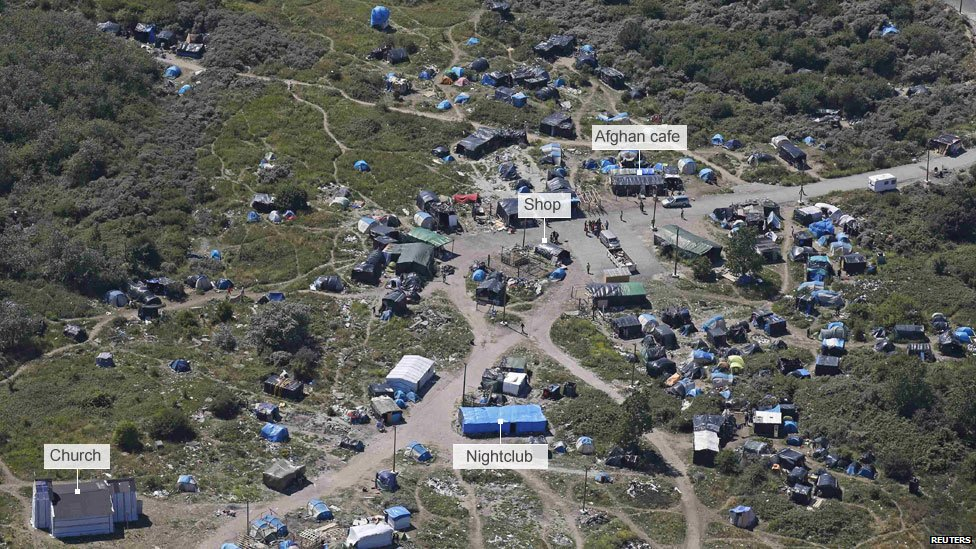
928,156
586,475
464,382
654,215
394,447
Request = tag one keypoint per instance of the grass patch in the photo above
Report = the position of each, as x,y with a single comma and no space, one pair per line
594,350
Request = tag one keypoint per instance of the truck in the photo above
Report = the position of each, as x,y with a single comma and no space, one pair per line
615,252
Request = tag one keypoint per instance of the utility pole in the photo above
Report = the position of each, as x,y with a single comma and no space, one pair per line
247,513
632,368
654,215
586,474
928,153
677,241
394,447
464,382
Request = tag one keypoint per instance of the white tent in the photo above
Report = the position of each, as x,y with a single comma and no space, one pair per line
365,223
687,166
584,445
706,440
274,216
412,373
514,383
369,536
767,417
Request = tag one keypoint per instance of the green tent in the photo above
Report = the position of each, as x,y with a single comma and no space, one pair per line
690,245
416,258
427,236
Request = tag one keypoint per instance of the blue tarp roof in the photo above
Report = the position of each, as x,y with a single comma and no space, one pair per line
379,16
274,433
186,479
527,419
397,511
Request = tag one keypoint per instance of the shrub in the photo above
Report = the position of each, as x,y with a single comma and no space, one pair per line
304,363
17,325
897,467
292,197
127,437
741,255
279,327
224,312
225,405
223,338
172,425
727,462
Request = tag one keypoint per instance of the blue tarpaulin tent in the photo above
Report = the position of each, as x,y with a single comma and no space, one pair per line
426,74
361,166
215,254
420,452
224,284
718,140
519,420
444,105
462,98
184,88
179,365
276,296
274,433
473,41
172,71
230,546
287,544
790,426
809,140
519,99
281,530
558,274
821,228
398,517
380,17
889,29
253,217
318,510
386,481
707,174
587,48
801,373
458,72
478,275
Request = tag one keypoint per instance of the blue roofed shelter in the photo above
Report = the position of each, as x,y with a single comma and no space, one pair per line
274,433
398,517
318,510
518,420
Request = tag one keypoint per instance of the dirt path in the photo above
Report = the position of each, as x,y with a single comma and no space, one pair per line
554,501
540,334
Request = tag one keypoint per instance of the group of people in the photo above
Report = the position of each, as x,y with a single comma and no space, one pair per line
595,226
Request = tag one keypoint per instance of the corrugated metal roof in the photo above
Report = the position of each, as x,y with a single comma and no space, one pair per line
686,241
411,368
428,236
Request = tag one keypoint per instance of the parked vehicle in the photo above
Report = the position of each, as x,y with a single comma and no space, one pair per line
680,201
882,182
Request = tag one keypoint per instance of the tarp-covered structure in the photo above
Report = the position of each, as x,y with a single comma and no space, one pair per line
411,374
282,474
518,420
688,244
617,294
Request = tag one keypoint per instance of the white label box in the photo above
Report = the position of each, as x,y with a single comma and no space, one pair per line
639,137
77,456
545,206
501,456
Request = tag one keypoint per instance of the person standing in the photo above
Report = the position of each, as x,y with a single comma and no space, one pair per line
621,215
587,268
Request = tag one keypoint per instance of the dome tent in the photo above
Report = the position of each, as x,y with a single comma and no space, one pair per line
444,105
172,72
180,365
379,17
361,166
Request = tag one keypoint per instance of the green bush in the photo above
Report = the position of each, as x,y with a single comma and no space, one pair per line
172,425
225,405
127,437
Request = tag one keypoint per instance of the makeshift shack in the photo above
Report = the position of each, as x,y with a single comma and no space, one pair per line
283,474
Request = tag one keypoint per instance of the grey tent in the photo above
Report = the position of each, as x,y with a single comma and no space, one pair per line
507,211
558,124
327,284
627,327
282,474
826,365
665,337
909,332
492,289
827,486
552,251
370,270
395,301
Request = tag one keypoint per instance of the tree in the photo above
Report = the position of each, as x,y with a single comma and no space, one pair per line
17,325
279,327
741,257
701,268
172,425
907,387
292,197
304,363
727,462
127,437
631,35
635,421
897,467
